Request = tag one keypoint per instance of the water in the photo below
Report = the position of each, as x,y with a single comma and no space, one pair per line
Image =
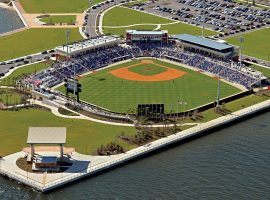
9,20
232,163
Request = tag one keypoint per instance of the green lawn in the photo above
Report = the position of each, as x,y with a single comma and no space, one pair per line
147,70
106,90
84,135
122,31
256,43
70,19
120,16
9,97
33,41
232,107
56,6
265,71
23,71
181,28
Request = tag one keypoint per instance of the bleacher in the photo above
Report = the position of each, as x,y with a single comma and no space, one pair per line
103,57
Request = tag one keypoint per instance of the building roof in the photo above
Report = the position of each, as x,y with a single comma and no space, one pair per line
46,135
147,32
88,44
203,41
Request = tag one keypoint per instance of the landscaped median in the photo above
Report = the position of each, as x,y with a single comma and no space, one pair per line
119,19
34,40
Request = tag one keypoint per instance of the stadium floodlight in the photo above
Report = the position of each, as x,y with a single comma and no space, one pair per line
203,17
241,49
90,6
218,91
67,40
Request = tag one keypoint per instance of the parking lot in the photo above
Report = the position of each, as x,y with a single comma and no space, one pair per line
11,64
224,16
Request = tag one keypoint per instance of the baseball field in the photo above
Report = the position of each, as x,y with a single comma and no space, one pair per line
122,87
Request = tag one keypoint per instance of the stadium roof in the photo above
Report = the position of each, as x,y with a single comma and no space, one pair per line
147,32
202,41
89,44
46,135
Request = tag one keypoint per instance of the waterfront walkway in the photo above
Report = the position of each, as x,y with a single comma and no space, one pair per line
85,165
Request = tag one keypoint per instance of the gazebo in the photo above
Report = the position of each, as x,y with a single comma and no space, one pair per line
46,136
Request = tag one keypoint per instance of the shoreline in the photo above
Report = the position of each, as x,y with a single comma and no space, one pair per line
100,164
4,5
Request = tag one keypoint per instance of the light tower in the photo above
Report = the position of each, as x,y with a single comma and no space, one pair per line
203,16
90,9
218,91
241,49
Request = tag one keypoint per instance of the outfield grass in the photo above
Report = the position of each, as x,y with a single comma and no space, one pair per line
256,43
84,135
59,19
120,16
56,6
23,71
108,91
33,41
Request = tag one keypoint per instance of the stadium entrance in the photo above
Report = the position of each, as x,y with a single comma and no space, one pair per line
134,36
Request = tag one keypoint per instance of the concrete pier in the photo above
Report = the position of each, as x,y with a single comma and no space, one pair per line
85,165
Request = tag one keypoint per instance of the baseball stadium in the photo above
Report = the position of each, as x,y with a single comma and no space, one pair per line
91,85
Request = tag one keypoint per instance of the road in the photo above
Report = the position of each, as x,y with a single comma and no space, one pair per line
17,62
91,18
91,30
92,21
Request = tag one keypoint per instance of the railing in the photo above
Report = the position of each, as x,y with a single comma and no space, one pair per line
121,158
159,144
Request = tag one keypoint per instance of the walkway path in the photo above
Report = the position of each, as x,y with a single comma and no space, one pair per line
84,165
126,26
54,110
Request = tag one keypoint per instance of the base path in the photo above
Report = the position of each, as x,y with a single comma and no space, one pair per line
169,74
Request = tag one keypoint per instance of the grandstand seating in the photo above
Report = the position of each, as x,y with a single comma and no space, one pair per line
96,59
